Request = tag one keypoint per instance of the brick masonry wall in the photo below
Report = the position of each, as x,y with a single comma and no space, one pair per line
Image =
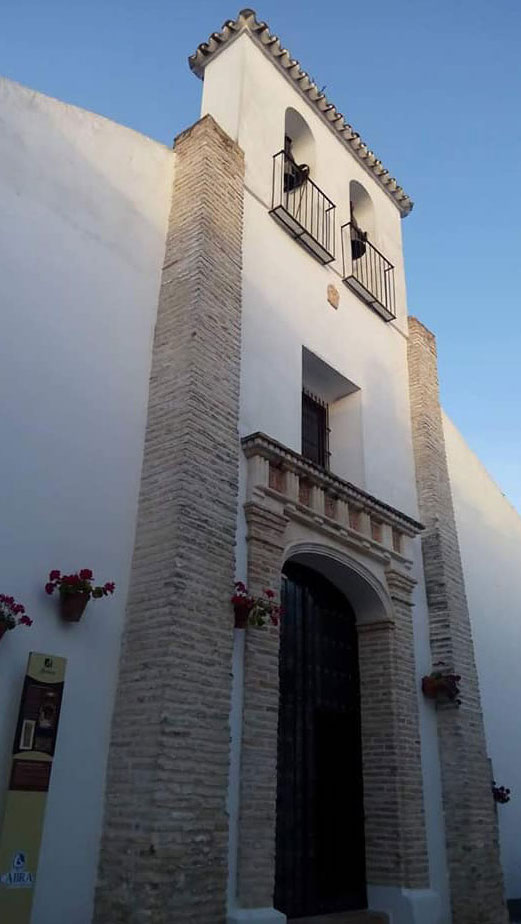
165,841
396,849
475,873
257,821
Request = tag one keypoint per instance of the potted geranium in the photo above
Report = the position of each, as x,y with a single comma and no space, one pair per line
75,591
12,614
442,686
501,793
254,611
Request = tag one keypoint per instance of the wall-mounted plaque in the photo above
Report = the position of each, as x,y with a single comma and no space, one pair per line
33,751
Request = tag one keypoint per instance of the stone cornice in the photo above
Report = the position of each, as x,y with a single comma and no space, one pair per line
246,22
258,444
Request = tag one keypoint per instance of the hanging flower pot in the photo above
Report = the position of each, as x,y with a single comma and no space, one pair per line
12,614
241,611
501,793
441,687
72,606
75,592
254,611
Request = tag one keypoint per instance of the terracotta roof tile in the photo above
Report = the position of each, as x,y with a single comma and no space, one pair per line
259,31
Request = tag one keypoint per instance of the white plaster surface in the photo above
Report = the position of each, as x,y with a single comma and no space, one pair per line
247,94
407,906
285,309
83,221
489,530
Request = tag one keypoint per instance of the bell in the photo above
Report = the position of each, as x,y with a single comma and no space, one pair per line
358,248
295,175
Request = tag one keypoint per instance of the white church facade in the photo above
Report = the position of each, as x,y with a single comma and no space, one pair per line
209,376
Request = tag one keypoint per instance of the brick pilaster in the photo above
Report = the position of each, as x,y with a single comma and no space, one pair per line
414,857
164,849
396,850
475,873
260,719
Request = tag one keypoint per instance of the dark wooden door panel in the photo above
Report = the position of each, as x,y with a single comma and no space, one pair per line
320,864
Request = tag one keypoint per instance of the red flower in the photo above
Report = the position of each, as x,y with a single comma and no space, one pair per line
270,593
54,575
25,621
70,579
49,588
86,574
109,587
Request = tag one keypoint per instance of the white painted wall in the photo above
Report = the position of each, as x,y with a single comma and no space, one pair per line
285,308
489,530
248,95
82,228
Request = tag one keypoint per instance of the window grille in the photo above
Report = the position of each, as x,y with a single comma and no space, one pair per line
315,429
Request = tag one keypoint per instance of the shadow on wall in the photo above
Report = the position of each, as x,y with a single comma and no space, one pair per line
84,212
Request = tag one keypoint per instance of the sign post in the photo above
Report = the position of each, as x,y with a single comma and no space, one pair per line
33,752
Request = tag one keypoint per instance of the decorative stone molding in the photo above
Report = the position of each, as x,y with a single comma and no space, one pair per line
164,853
312,492
247,22
278,512
476,880
333,296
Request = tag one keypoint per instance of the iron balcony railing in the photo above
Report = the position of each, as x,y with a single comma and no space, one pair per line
302,208
367,272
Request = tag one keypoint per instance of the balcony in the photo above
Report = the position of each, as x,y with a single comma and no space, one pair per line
311,493
302,208
367,272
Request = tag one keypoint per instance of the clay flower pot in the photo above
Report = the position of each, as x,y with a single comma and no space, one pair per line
72,606
443,688
430,687
241,616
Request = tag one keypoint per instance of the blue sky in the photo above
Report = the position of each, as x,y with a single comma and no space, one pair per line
433,87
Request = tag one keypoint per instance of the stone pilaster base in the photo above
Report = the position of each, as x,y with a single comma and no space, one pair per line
407,906
256,916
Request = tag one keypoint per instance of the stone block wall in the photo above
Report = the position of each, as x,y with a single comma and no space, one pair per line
475,873
165,842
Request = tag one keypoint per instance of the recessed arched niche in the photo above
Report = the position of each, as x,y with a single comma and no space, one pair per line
362,209
302,143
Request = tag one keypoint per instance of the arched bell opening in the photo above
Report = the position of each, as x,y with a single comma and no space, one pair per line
361,217
299,150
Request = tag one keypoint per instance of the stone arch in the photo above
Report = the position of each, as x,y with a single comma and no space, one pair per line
302,141
367,594
362,208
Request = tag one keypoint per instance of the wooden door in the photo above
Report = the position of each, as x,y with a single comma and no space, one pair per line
320,857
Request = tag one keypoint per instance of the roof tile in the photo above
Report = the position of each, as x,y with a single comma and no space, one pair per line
247,22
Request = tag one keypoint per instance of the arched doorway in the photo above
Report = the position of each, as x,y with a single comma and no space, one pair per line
320,855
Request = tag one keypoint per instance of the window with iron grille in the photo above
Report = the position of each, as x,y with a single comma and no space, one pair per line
315,429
